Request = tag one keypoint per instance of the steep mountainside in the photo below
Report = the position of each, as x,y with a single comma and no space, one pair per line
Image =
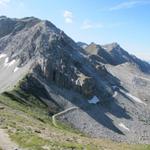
115,55
102,91
82,44
130,70
122,56
48,54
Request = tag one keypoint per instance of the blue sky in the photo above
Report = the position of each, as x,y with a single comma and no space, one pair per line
126,22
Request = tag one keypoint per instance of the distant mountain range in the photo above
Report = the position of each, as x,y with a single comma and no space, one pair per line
114,54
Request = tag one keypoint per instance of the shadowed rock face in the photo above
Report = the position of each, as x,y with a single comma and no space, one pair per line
115,55
121,56
7,25
82,44
62,75
99,54
55,57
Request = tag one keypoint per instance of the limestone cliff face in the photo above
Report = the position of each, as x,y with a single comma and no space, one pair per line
54,56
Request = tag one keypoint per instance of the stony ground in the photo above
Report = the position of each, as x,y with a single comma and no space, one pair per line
34,131
121,119
5,142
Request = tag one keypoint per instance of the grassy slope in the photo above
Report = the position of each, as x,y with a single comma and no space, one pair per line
28,125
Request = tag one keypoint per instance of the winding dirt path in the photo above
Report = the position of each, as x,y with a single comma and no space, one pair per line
61,113
5,141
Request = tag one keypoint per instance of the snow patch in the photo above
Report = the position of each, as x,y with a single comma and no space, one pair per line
133,97
2,56
84,46
16,69
123,126
79,82
136,99
115,94
94,100
10,63
114,87
6,60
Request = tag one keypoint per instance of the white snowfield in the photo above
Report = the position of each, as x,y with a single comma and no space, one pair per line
78,82
3,56
16,69
123,126
10,74
6,60
6,64
10,63
115,94
94,100
136,99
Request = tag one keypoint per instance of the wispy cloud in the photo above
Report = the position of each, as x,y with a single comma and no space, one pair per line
129,4
68,16
87,24
4,2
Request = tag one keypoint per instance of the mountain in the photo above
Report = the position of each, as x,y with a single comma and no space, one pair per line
101,91
122,56
116,55
82,44
42,51
132,72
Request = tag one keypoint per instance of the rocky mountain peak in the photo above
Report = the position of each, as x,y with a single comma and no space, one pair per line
82,44
3,17
93,48
52,54
112,46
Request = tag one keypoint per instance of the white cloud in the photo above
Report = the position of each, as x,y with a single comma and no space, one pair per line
90,25
129,4
68,20
68,16
4,2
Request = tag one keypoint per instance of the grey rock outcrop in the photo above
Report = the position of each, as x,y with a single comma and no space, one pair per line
55,57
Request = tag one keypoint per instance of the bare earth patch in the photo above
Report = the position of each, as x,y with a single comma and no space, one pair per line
5,141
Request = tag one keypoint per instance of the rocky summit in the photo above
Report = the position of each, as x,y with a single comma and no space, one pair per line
100,90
